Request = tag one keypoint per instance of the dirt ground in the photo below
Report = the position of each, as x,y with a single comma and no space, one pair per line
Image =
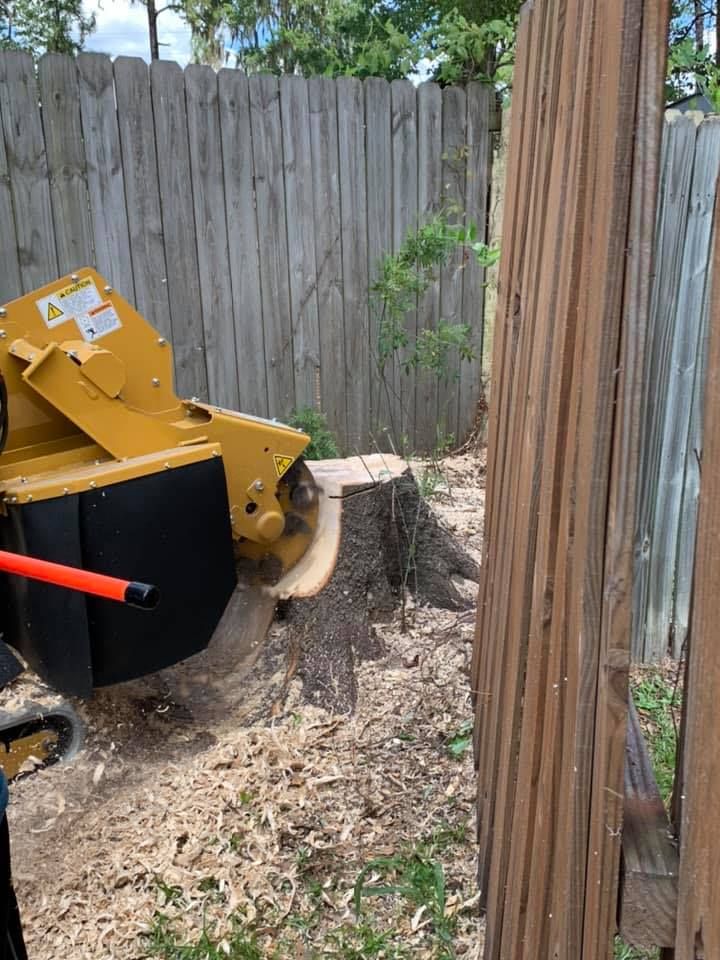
265,837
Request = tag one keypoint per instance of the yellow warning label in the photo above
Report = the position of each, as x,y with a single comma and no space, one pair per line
54,313
282,464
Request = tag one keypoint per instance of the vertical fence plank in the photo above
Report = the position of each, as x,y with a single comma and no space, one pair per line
60,98
404,214
477,164
295,111
171,139
139,161
272,238
384,409
429,146
698,921
243,240
678,399
27,167
451,277
206,163
673,206
106,182
10,280
353,227
328,251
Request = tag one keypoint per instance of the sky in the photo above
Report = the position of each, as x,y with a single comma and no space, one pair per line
122,31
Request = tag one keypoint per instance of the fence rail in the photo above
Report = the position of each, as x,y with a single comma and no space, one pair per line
245,218
674,381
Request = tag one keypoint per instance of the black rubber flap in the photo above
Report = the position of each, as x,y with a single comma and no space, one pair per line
172,530
47,624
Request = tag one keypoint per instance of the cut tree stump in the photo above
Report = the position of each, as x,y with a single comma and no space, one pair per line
380,542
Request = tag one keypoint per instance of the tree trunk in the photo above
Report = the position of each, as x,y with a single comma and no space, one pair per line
699,25
152,29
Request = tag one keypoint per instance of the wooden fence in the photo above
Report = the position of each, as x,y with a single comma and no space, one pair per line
245,218
672,405
550,670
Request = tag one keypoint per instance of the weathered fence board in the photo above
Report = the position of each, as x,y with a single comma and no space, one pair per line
140,168
295,109
106,181
385,410
27,168
328,250
247,218
62,128
551,658
178,218
672,405
238,178
206,165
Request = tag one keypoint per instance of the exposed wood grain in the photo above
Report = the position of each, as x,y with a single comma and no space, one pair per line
10,281
60,98
106,181
206,163
678,398
353,228
176,204
477,166
698,928
28,171
239,179
429,126
328,251
142,195
673,206
650,861
272,241
404,220
454,149
299,204
384,403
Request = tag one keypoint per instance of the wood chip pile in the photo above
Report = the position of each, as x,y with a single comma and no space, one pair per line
160,825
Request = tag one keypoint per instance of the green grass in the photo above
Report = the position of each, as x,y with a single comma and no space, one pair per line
238,944
655,701
624,951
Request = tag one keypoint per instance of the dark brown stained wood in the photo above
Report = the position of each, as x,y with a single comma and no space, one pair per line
650,861
551,659
698,926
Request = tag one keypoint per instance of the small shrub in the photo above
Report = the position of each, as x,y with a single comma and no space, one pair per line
322,444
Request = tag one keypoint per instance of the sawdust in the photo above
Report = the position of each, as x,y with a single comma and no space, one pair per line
268,824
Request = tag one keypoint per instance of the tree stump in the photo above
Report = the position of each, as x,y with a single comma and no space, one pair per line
391,545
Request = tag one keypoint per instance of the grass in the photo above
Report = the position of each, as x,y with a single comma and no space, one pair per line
656,701
237,944
624,951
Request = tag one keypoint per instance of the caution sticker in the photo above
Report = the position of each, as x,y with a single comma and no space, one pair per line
69,303
99,321
282,464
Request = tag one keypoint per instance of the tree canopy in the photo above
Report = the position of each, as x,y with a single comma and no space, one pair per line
44,26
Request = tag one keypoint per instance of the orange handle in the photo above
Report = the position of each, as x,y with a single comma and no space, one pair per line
137,594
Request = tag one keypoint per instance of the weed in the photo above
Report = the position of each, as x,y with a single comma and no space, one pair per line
624,951
364,942
172,893
447,835
429,481
655,701
237,944
417,878
459,742
322,444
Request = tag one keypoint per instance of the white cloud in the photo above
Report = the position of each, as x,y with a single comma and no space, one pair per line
122,31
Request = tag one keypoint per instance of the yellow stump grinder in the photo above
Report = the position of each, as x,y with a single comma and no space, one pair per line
104,469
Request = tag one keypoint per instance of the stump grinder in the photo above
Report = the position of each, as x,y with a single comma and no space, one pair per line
103,469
